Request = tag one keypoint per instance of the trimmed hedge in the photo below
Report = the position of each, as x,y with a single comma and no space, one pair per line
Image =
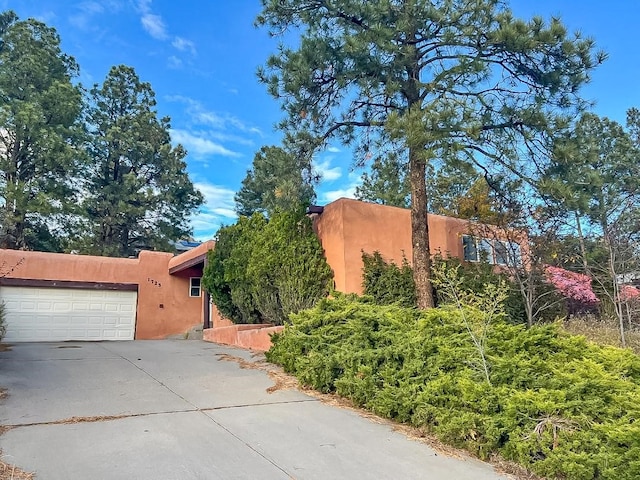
557,404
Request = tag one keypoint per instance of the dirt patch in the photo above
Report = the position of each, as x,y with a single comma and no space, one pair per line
3,393
281,380
11,472
5,347
259,364
71,420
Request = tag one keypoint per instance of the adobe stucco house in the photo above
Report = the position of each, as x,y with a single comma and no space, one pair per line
52,296
348,227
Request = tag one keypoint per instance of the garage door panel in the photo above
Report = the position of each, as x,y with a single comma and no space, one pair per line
57,314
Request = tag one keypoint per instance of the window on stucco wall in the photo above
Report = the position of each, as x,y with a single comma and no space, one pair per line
495,252
194,287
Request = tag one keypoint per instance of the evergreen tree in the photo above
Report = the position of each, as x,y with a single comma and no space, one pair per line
277,181
594,178
386,183
438,79
39,128
138,193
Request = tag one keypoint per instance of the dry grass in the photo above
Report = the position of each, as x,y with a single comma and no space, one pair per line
11,472
5,347
74,420
7,470
602,332
284,381
259,364
3,393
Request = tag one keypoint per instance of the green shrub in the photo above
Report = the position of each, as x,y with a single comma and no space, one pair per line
224,276
475,275
386,282
262,271
557,404
287,269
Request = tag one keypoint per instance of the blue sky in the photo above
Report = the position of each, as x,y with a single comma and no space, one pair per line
200,57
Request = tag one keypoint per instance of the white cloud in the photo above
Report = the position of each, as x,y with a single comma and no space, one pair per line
224,212
333,149
217,197
184,45
144,6
327,172
199,146
91,8
218,209
229,137
46,17
86,11
174,62
349,192
202,117
199,115
154,26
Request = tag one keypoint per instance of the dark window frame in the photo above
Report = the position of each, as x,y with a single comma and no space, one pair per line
193,287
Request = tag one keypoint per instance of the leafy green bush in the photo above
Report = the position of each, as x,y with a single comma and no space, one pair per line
224,276
475,275
386,282
287,268
557,404
262,271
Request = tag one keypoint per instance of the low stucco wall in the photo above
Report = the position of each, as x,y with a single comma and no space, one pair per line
164,305
252,337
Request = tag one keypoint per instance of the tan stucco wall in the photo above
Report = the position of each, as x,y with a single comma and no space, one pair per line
347,227
164,306
252,337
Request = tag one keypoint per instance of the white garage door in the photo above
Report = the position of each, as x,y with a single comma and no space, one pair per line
35,314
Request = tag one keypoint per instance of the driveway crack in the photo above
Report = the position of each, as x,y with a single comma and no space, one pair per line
195,407
247,444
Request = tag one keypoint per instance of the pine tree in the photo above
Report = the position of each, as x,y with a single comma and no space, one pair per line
437,79
39,129
138,193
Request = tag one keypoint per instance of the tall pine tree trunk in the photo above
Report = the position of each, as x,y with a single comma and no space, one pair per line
420,231
421,253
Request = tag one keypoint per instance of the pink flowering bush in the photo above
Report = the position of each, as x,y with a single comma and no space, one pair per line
576,287
629,293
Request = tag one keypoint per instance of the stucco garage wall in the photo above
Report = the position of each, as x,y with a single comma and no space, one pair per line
164,306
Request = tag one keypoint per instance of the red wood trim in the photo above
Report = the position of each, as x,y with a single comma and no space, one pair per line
29,282
188,264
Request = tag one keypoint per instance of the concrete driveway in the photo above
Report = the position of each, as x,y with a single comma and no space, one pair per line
176,410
